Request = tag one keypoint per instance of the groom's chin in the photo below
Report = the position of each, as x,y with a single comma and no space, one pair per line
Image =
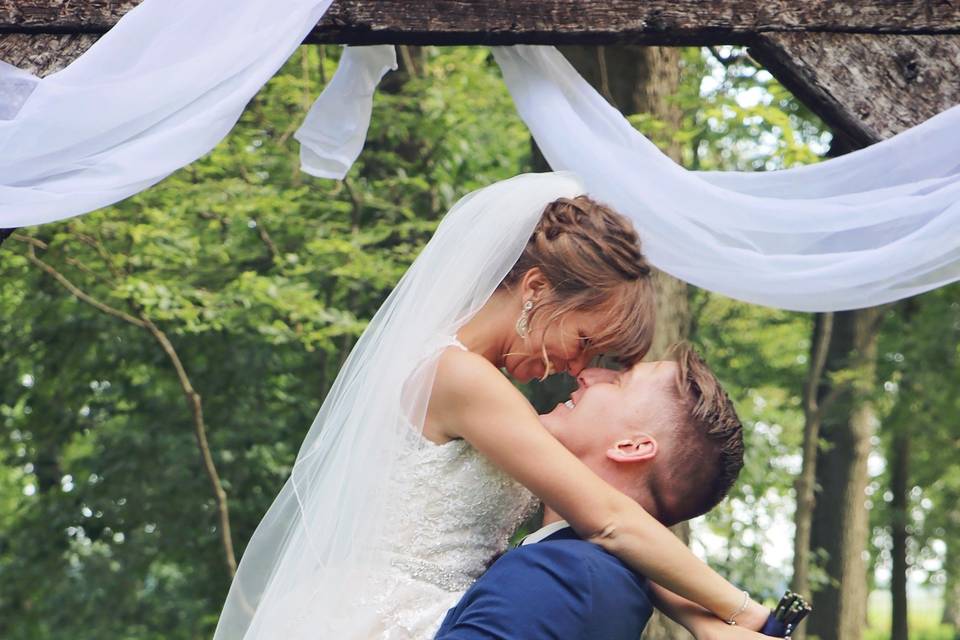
550,420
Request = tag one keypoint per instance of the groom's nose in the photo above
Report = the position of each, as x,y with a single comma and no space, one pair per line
592,376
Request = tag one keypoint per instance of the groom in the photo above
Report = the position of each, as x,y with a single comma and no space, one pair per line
664,433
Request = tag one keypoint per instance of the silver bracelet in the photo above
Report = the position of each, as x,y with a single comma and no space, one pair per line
732,620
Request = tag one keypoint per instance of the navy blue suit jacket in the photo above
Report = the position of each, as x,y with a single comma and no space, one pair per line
560,588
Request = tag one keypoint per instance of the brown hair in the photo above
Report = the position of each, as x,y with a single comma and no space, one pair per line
591,257
707,445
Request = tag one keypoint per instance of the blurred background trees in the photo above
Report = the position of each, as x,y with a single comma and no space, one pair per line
218,306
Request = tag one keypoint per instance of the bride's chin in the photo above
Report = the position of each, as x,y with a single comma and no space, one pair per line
520,373
522,378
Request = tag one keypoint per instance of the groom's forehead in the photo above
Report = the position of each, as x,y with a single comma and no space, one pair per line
648,372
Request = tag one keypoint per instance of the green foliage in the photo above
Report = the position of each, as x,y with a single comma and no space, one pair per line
742,118
924,619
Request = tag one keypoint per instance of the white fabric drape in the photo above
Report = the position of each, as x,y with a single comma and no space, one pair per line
873,226
864,229
156,92
335,129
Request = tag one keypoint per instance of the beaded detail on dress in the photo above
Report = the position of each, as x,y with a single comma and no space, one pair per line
454,514
457,514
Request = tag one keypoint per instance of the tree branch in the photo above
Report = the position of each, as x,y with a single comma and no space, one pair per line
355,202
72,288
194,402
267,240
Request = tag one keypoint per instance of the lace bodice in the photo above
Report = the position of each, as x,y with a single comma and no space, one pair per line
457,514
454,513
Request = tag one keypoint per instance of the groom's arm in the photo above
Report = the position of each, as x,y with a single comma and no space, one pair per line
539,592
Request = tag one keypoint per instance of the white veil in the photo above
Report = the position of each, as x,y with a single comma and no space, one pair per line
309,562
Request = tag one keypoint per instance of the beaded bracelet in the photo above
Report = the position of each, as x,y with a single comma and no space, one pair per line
732,620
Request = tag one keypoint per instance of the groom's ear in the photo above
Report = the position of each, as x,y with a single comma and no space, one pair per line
640,448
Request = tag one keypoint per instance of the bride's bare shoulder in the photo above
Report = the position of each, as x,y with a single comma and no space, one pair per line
460,371
468,387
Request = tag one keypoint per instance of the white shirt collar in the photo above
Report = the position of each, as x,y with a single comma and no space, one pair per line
545,532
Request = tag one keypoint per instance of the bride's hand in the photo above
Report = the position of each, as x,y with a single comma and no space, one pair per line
702,624
753,617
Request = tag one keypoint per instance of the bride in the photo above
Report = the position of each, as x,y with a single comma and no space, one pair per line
424,458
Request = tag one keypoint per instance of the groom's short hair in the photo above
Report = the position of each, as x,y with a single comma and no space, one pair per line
705,454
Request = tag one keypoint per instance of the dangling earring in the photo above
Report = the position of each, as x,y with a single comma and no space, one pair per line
523,322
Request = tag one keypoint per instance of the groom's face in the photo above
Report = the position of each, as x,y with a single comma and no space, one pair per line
609,406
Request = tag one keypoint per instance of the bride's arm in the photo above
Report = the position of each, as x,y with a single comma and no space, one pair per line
701,624
471,399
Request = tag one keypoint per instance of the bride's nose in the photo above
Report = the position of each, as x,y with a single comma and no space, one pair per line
576,367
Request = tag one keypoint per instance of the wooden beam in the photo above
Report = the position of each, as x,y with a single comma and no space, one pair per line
546,21
866,87
43,54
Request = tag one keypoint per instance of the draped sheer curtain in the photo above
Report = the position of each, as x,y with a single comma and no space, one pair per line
876,225
867,228
155,93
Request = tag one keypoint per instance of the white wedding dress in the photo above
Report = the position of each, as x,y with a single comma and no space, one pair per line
457,516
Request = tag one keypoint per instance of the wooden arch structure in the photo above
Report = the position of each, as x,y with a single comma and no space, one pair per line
869,68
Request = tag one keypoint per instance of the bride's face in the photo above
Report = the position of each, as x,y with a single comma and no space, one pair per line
566,342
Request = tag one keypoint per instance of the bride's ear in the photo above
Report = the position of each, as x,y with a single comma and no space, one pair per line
534,285
641,448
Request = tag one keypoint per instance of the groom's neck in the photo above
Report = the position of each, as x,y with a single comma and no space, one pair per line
550,516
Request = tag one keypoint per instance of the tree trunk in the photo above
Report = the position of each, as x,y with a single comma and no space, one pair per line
840,525
806,483
951,590
900,487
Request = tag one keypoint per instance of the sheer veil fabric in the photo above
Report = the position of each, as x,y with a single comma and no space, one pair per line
309,565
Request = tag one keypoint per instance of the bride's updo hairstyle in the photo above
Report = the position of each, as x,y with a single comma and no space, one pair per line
591,257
